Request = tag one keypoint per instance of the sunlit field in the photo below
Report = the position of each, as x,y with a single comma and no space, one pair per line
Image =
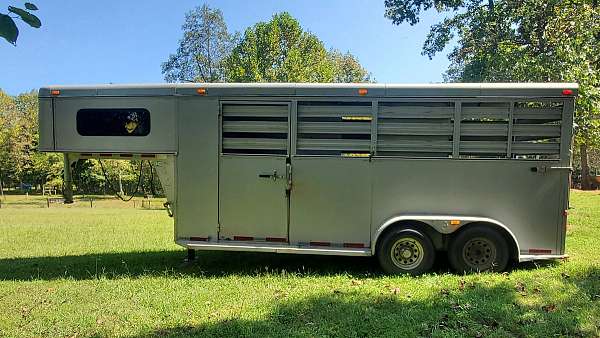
112,270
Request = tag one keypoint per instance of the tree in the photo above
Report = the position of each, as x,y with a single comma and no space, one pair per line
8,27
529,40
205,44
346,68
281,51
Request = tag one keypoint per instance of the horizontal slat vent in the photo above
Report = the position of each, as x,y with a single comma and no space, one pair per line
334,128
415,129
537,130
255,129
484,129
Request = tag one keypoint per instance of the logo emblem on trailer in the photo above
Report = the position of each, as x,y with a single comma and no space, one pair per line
132,122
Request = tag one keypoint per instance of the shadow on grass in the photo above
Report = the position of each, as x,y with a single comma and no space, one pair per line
479,310
160,263
207,264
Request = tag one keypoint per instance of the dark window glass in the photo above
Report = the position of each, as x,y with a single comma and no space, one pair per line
113,122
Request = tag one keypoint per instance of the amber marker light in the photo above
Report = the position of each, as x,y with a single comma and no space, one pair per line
201,91
363,91
454,222
55,92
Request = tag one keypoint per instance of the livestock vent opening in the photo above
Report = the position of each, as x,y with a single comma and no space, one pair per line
415,129
537,130
254,129
484,130
334,128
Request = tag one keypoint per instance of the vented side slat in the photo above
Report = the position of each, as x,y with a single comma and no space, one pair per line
483,129
554,114
536,130
523,148
489,112
254,127
334,144
334,127
240,110
387,128
415,112
333,111
254,143
483,147
411,146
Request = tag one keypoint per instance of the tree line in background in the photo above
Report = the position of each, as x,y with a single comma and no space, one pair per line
279,50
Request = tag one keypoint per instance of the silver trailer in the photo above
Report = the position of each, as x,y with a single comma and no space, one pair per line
477,172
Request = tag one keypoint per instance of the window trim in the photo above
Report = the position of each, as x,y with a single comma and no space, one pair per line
145,112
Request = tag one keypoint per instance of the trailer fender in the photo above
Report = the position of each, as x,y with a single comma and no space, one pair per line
443,224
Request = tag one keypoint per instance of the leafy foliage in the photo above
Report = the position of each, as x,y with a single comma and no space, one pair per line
282,51
279,51
275,51
8,28
19,160
347,69
205,44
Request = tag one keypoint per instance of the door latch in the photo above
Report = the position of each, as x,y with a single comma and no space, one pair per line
288,173
273,176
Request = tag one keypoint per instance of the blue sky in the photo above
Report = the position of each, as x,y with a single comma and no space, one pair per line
85,42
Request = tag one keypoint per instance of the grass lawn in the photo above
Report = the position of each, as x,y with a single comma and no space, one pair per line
81,272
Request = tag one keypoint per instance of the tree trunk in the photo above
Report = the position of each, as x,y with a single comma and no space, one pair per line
120,182
586,183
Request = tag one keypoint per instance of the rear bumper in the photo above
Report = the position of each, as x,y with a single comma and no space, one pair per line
529,258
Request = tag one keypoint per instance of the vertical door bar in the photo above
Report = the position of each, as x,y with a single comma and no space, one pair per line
374,113
456,132
293,127
566,132
509,137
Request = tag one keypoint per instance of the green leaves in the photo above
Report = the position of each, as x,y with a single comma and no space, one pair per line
31,6
281,51
29,18
8,29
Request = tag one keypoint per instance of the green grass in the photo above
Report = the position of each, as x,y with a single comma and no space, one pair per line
79,272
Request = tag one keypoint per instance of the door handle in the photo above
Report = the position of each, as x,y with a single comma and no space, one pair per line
274,175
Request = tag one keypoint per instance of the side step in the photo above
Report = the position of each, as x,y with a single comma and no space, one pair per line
274,248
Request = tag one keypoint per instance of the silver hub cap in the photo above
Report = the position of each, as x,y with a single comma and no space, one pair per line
479,253
407,253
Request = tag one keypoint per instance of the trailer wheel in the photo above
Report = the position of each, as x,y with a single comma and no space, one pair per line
478,249
406,251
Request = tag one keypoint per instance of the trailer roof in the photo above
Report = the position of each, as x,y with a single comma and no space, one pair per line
317,89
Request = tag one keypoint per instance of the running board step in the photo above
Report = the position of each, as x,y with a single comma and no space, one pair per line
274,248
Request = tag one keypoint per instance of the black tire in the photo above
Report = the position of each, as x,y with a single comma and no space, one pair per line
395,247
478,249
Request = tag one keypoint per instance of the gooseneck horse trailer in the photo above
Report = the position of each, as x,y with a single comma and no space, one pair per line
477,172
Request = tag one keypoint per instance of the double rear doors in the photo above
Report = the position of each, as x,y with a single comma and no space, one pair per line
269,192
